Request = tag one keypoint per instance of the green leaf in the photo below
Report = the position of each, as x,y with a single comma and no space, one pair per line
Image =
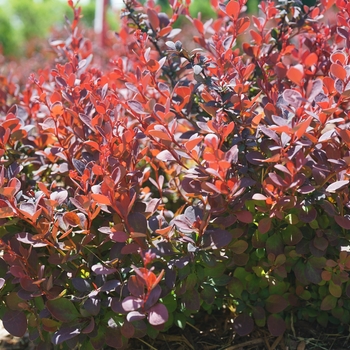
62,309
235,287
291,235
191,281
328,303
239,246
180,320
335,289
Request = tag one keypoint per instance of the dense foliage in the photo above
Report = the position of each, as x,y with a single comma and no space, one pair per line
192,173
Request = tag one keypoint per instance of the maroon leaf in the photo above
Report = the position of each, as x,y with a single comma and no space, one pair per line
264,225
343,221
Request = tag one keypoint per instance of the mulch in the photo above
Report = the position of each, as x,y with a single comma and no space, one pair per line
215,332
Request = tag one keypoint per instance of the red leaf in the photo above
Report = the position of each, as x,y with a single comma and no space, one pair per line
243,24
296,74
311,59
199,25
338,71
233,9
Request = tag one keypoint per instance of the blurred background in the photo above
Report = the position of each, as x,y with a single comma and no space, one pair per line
27,25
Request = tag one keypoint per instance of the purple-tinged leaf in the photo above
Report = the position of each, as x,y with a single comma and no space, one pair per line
264,225
64,334
335,186
220,238
62,309
191,300
118,236
276,325
153,297
2,282
243,325
158,315
15,322
127,330
26,238
343,221
165,156
93,306
275,303
110,286
59,197
307,216
292,97
29,208
81,284
90,327
277,180
136,286
99,269
135,316
328,303
136,106
132,303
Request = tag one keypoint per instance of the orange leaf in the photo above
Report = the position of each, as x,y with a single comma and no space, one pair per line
71,219
101,199
338,71
160,134
57,109
296,74
311,59
193,143
153,65
301,128
338,56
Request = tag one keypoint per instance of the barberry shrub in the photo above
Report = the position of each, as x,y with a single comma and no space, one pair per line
189,174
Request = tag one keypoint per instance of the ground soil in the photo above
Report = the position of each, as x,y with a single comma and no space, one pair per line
215,332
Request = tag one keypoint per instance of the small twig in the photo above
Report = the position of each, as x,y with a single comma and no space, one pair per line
194,327
149,345
247,343
276,342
